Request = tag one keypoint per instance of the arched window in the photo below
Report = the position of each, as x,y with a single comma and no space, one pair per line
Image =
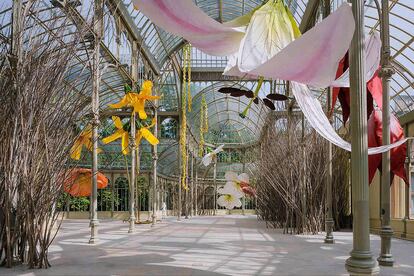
125,51
121,191
169,128
110,33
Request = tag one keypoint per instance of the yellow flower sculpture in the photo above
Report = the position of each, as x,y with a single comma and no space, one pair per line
84,139
137,101
122,133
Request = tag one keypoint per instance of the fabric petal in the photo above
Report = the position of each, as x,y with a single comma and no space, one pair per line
125,143
124,102
117,122
207,159
149,136
243,178
76,150
318,52
269,31
218,149
116,135
185,19
231,176
139,107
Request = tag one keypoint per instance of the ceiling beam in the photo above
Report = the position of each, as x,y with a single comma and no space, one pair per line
309,16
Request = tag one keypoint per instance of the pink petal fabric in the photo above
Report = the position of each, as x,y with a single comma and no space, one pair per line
183,18
313,58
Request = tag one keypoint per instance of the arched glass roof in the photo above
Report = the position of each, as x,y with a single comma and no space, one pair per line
226,125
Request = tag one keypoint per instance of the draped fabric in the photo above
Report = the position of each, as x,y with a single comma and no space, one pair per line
374,83
315,115
372,61
375,139
183,18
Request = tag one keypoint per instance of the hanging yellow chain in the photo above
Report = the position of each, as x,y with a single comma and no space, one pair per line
190,99
183,131
203,125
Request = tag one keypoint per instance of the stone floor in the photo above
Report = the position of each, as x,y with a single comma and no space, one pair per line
224,245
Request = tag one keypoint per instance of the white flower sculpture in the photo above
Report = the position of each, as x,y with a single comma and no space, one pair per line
234,189
208,158
229,201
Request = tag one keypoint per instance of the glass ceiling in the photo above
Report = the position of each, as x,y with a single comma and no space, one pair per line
225,124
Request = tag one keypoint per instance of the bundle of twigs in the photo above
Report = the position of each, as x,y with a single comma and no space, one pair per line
39,110
291,175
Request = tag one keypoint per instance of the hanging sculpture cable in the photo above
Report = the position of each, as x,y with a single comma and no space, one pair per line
185,102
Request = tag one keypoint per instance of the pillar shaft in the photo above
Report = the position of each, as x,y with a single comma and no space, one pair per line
154,169
187,176
179,185
304,180
361,260
196,192
244,196
386,232
215,186
192,186
97,27
329,222
133,176
408,187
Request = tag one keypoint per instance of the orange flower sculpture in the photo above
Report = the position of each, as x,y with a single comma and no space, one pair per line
79,182
137,101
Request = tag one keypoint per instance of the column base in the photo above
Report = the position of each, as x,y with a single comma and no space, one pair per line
131,225
154,220
329,239
94,231
386,258
362,263
329,223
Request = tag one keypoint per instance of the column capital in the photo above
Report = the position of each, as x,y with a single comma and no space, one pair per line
95,121
386,71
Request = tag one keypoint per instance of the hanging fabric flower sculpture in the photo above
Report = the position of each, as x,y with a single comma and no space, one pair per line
271,48
78,182
209,157
234,189
137,101
123,130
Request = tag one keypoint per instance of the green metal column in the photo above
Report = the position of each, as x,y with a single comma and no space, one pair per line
329,222
133,176
244,196
386,72
154,168
407,187
215,185
361,260
98,29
